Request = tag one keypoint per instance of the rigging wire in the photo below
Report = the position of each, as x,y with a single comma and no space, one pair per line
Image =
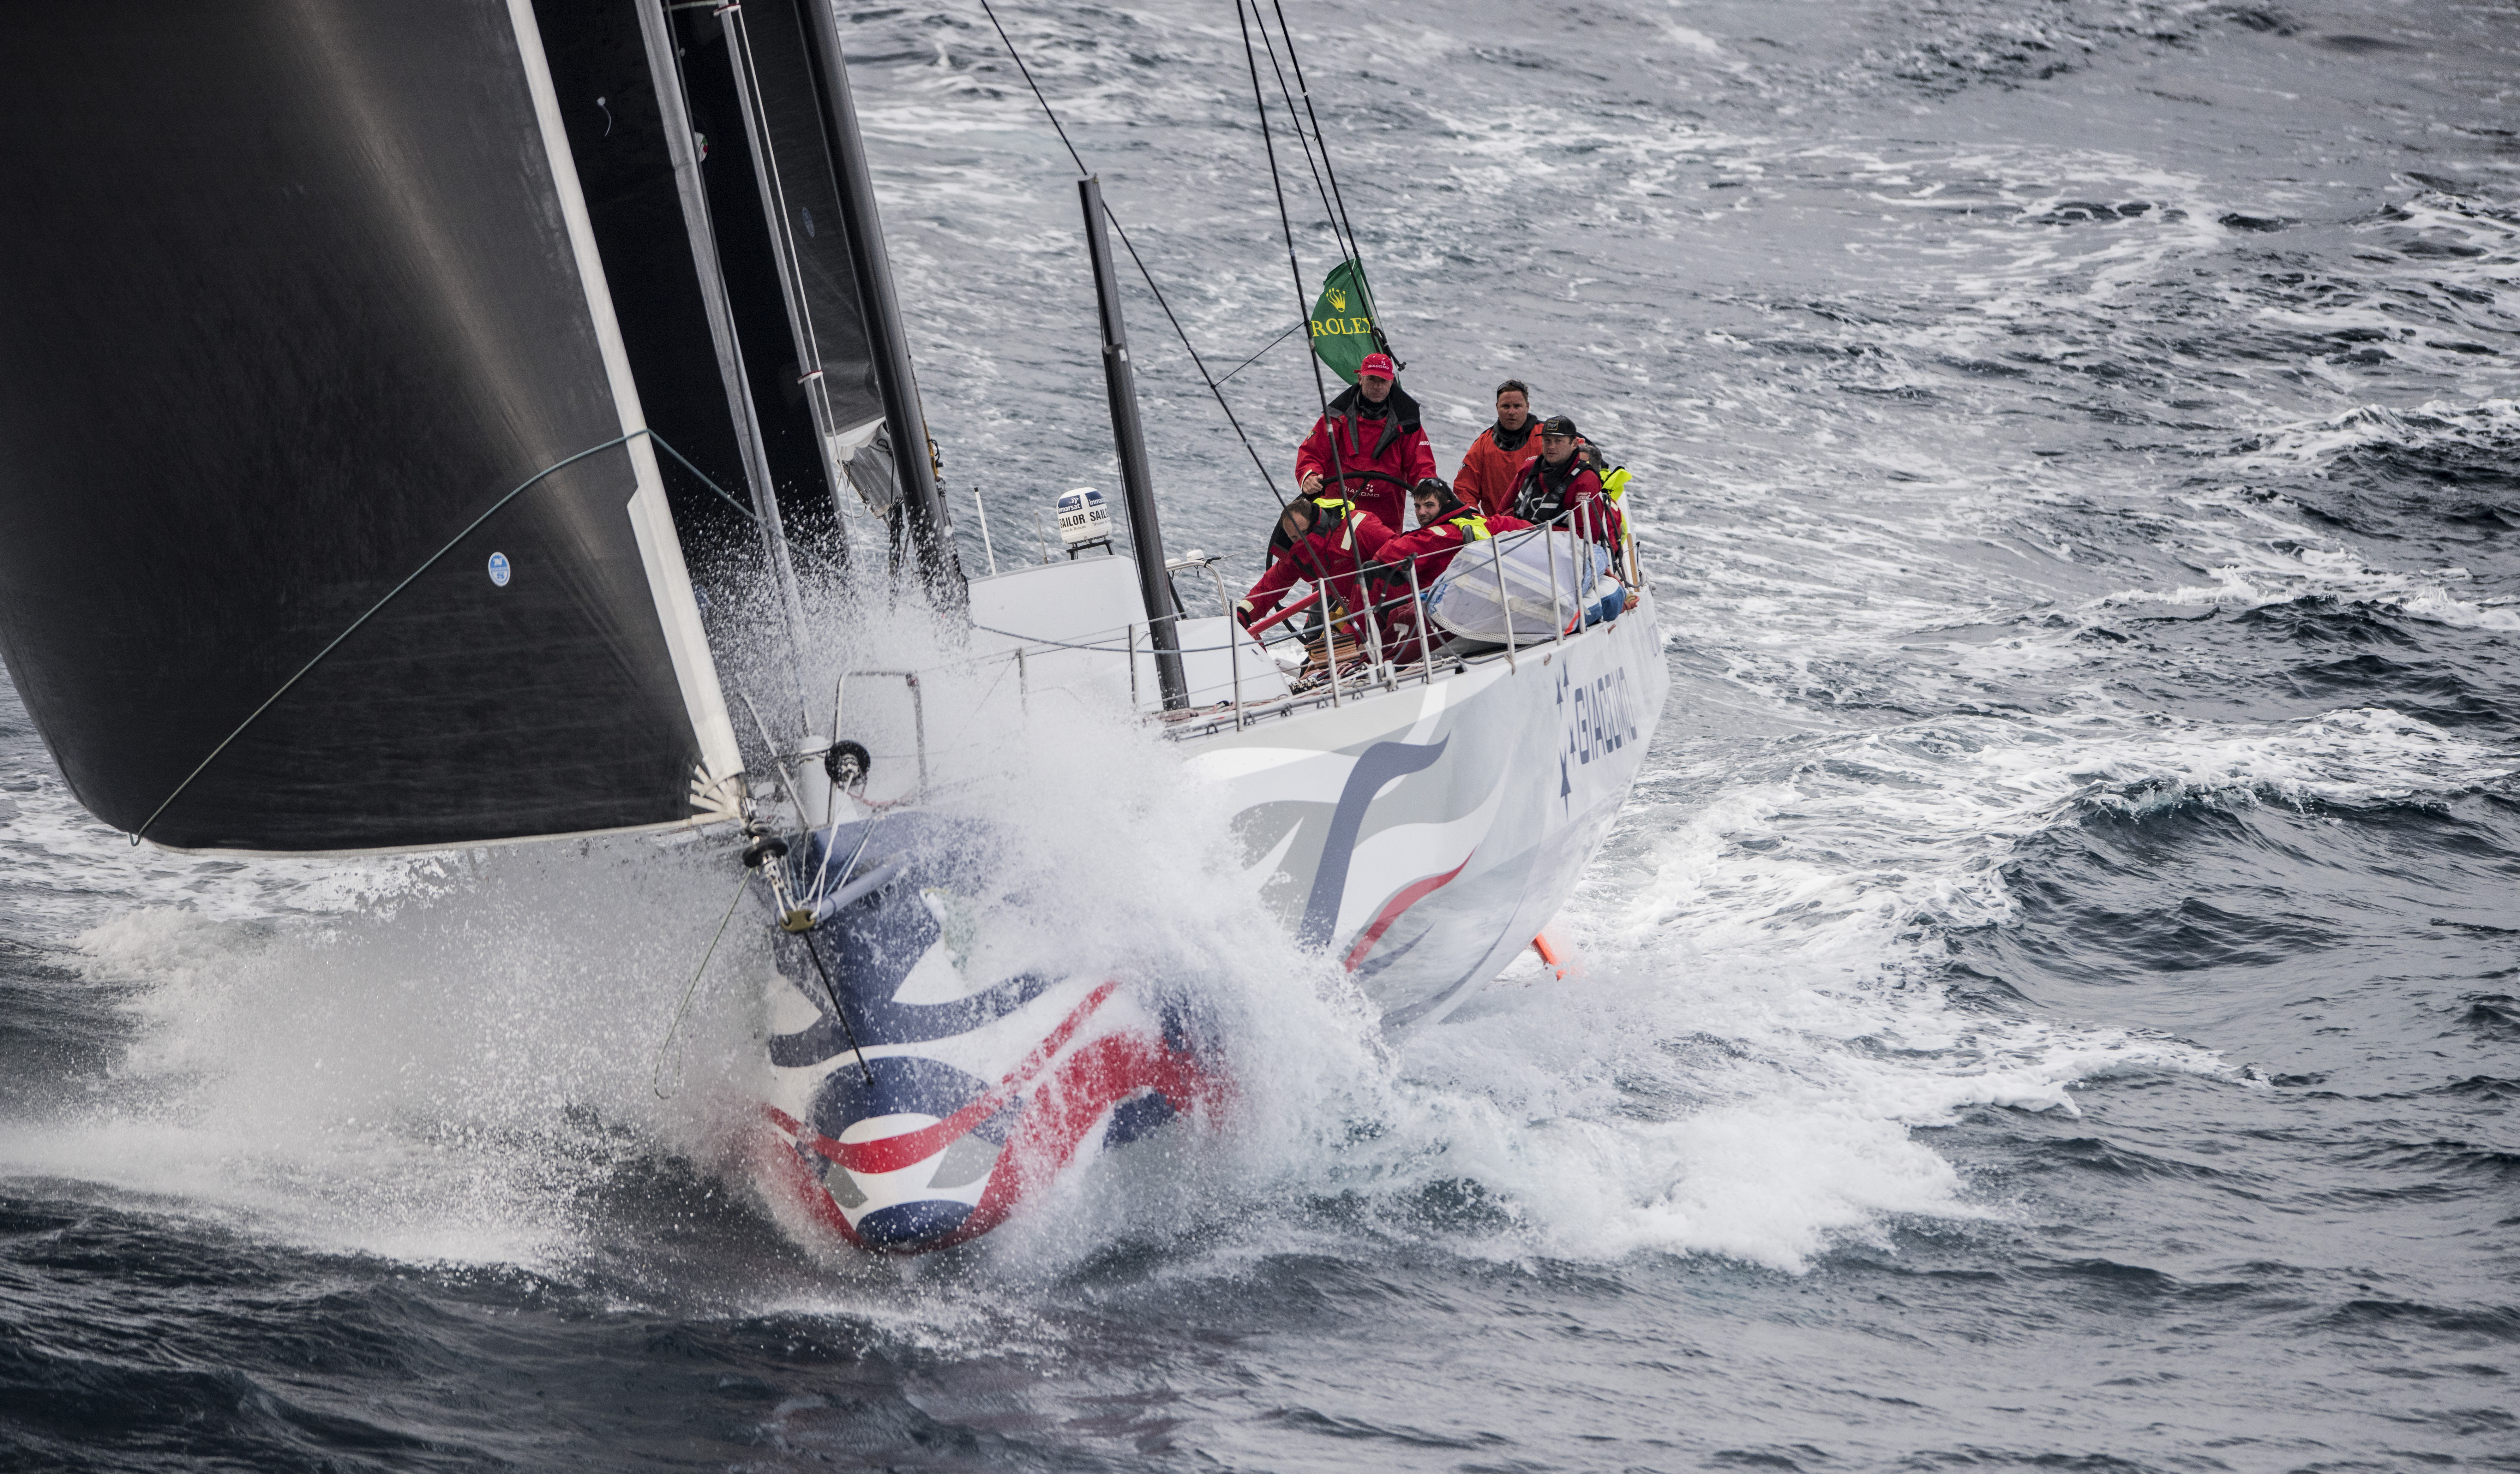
1321,391
800,322
1355,252
1278,186
1292,330
1343,230
1330,216
1214,385
657,1076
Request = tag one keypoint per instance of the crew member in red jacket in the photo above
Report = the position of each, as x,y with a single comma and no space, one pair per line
1560,480
1446,525
1369,449
1327,541
1496,459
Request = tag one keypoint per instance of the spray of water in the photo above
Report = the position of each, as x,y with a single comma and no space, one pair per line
458,1060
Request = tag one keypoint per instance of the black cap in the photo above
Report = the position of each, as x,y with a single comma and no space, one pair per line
1434,485
1556,425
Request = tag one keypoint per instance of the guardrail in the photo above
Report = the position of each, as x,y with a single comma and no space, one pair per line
1219,705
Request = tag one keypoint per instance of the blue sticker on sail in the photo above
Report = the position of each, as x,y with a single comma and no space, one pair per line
499,568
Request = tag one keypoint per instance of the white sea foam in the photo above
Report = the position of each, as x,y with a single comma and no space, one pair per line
464,1074
449,1079
461,1079
1756,1053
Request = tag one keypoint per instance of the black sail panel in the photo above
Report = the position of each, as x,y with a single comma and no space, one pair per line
800,200
305,303
616,123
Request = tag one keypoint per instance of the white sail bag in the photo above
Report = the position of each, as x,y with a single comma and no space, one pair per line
1547,580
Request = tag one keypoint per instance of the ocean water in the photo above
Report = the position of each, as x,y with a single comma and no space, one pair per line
2054,1002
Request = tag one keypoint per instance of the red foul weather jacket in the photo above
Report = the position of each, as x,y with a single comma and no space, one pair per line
1385,456
1489,467
1544,491
1433,545
1327,557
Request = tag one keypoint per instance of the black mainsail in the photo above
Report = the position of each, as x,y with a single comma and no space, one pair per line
297,292
366,365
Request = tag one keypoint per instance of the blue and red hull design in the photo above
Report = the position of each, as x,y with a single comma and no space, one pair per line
961,1094
1421,832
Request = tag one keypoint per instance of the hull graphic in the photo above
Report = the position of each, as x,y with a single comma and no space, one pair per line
1428,833
955,1100
1422,834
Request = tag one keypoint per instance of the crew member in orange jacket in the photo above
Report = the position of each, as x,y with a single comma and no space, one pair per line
1496,459
1327,541
1369,449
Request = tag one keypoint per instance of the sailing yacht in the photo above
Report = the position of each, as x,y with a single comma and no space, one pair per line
389,360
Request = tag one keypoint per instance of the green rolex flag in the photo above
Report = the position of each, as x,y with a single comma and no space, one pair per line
1343,328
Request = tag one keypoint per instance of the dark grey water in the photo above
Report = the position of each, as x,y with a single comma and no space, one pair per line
2054,1001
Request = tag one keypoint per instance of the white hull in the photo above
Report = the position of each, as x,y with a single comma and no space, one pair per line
1422,833
1425,832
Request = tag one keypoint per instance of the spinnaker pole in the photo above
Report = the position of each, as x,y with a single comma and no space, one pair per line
1138,488
930,527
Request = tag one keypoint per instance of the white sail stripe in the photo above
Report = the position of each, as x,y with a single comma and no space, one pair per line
669,581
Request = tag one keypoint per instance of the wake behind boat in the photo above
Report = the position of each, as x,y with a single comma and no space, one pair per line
451,343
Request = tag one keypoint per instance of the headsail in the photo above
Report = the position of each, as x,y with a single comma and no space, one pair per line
773,75
316,288
773,71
